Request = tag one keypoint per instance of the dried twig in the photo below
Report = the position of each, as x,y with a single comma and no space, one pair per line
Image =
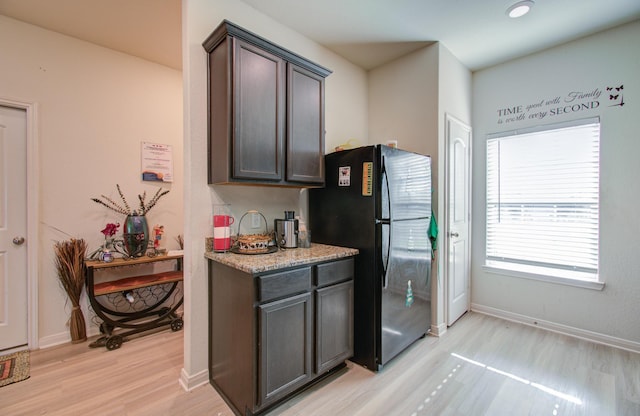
159,194
111,204
142,198
126,209
123,198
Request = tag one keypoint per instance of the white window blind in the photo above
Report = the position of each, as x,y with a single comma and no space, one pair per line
543,199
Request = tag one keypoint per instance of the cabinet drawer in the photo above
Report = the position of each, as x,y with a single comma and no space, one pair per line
277,285
336,271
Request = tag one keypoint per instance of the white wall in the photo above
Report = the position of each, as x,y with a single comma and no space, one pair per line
454,96
345,118
95,106
403,101
608,59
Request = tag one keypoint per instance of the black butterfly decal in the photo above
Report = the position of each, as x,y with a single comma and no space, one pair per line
613,97
620,88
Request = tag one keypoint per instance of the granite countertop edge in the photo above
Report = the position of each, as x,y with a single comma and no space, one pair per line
283,258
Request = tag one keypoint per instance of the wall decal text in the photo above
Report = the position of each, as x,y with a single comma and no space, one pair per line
571,102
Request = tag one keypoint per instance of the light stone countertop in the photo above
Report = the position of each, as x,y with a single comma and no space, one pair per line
281,259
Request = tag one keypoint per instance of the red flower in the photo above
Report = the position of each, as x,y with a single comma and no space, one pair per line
110,230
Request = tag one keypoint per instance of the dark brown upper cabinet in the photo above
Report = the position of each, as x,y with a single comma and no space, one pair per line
266,112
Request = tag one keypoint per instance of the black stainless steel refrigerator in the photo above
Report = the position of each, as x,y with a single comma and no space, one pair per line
378,199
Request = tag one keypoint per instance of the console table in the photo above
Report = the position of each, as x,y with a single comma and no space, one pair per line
136,303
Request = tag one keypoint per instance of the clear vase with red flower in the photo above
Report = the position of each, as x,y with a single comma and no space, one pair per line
109,231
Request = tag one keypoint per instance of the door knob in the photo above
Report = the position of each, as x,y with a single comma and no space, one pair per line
454,235
18,240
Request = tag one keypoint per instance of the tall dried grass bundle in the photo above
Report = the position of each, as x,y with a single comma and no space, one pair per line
70,256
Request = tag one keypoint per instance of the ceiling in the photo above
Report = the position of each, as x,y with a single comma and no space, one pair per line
150,29
477,32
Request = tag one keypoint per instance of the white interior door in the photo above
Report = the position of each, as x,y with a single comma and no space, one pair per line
13,229
457,236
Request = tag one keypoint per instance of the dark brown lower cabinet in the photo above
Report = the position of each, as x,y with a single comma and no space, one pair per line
285,348
272,334
334,325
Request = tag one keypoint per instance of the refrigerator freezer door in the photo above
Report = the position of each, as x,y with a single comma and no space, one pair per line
406,184
406,292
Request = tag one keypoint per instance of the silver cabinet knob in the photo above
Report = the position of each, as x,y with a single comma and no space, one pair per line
18,240
454,234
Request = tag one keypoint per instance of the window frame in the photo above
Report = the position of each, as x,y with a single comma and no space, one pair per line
526,269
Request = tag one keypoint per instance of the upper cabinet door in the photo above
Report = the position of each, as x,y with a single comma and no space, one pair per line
305,126
258,111
266,112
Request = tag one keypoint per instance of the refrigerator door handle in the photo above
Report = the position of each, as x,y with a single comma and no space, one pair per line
385,266
385,182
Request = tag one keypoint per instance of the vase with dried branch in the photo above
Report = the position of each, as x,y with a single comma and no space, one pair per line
69,260
135,230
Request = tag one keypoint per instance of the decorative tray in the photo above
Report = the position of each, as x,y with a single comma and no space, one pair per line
269,250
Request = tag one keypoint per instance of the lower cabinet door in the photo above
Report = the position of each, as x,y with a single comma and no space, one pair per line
285,346
334,325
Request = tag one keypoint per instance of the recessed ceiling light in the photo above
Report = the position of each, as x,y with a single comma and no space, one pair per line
520,8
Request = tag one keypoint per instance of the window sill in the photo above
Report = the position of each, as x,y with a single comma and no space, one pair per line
586,284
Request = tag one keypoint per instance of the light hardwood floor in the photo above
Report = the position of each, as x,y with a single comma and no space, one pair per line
482,366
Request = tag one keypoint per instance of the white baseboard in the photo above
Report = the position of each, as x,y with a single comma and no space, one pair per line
438,330
53,340
559,328
63,337
190,382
